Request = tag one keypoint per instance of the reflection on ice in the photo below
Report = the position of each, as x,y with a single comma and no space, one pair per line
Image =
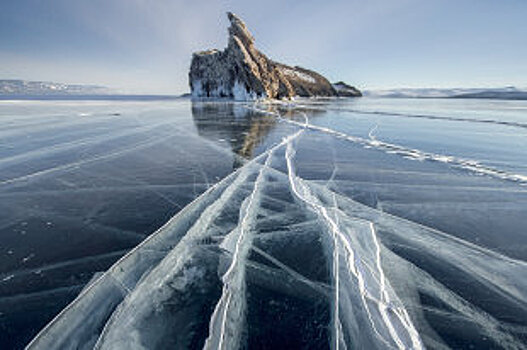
266,258
234,123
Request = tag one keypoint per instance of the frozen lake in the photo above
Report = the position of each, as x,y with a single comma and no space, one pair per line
344,224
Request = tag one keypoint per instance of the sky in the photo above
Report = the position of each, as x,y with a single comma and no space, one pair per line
145,46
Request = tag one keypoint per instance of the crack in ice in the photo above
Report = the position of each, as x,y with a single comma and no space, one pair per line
301,191
410,153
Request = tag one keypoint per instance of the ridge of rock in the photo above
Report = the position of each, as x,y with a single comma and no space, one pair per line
242,72
344,89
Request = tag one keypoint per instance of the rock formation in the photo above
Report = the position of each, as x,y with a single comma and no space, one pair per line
344,89
244,73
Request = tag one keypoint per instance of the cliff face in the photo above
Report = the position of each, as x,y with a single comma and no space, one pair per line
244,73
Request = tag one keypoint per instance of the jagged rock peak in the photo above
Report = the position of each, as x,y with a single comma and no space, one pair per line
244,73
239,29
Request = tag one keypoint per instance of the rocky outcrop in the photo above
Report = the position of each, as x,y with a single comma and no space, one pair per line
346,90
244,73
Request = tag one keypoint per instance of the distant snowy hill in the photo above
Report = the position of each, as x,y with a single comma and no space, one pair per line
24,87
510,92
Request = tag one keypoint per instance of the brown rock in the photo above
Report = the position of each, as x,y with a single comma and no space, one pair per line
244,73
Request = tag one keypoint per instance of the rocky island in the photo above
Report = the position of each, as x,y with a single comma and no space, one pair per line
241,72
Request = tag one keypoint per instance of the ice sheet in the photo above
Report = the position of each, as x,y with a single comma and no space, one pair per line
271,257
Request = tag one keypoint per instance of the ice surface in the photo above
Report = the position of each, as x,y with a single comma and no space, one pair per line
268,257
416,154
319,224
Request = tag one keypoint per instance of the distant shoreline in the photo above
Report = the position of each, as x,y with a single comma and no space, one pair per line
90,97
507,93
